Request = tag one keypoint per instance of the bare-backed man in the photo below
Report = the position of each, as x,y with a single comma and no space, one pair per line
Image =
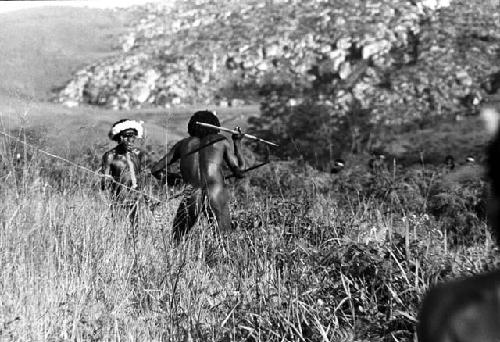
202,156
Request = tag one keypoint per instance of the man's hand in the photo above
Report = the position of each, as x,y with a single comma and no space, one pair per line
239,136
158,174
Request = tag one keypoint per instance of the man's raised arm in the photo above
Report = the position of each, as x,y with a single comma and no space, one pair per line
235,161
159,170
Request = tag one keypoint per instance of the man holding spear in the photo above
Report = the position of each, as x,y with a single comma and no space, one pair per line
121,168
202,156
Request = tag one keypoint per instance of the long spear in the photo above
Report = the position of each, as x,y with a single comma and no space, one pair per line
247,170
232,131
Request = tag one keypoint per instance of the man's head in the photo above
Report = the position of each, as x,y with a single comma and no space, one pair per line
204,116
125,131
338,165
470,160
450,162
378,153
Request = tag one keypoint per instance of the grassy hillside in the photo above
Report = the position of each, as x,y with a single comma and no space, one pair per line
41,48
316,257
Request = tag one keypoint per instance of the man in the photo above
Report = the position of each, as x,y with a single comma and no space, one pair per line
122,165
338,165
449,162
377,164
202,156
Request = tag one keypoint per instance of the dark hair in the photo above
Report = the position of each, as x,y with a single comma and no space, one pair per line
338,164
339,161
204,116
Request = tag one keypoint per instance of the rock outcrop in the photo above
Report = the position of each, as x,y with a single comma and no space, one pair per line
398,55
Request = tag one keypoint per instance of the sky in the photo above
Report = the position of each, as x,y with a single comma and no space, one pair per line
7,6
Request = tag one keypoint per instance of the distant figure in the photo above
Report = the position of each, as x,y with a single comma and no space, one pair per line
468,309
377,163
338,165
122,165
471,102
202,156
449,162
470,160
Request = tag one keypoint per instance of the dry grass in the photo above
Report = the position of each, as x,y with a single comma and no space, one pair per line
310,261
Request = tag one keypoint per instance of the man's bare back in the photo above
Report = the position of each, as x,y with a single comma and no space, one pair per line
217,154
202,156
189,165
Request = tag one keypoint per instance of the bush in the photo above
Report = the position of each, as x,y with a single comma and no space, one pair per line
458,200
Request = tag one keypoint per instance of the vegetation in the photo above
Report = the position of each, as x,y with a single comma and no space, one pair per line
439,65
315,257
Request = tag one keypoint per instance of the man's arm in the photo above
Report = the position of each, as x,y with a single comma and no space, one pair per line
235,161
105,167
159,169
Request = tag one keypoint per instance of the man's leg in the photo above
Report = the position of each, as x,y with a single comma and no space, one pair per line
187,214
133,215
218,199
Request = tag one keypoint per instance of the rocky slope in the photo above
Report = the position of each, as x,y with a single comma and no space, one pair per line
399,59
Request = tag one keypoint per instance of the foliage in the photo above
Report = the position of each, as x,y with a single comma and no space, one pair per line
434,69
459,201
315,257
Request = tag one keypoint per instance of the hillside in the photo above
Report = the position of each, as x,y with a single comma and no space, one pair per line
103,50
402,61
315,256
43,47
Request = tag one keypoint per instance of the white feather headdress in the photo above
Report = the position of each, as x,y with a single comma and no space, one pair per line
125,125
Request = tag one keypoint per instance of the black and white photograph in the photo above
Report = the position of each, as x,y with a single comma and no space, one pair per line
250,170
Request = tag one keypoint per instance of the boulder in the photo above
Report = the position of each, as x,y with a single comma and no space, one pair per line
345,70
375,48
272,51
337,57
150,78
236,102
140,92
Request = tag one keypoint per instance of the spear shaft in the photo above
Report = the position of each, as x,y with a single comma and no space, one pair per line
232,131
249,169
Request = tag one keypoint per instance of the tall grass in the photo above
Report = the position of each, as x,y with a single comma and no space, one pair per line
314,258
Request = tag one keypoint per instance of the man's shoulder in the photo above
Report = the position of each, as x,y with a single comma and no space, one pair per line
188,141
215,137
